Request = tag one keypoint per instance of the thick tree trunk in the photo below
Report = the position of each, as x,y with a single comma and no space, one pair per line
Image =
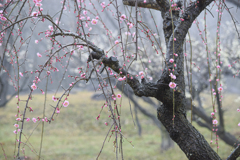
186,136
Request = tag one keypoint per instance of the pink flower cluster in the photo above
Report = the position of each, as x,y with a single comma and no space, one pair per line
122,78
2,17
141,73
103,4
172,76
38,3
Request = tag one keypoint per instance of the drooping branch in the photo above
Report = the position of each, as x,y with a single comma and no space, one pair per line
206,122
129,93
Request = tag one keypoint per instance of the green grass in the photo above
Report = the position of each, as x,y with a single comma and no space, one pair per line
76,134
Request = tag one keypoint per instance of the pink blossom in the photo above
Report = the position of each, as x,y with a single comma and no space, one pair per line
18,119
37,1
212,113
238,124
218,66
54,98
142,76
123,16
172,76
36,41
150,78
215,121
35,14
145,1
94,21
128,33
34,86
171,60
50,27
38,4
65,103
130,26
121,79
98,117
119,96
39,55
103,4
141,73
172,85
220,89
21,74
15,131
106,123
28,119
238,110
34,120
85,12
80,47
116,42
16,125
3,18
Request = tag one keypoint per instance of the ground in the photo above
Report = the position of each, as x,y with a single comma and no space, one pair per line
75,133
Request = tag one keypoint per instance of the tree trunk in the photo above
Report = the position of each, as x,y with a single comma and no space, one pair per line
191,142
167,142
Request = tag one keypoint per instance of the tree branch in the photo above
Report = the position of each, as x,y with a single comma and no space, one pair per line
235,154
144,88
151,4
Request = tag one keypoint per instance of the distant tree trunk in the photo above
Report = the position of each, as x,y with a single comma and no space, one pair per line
3,89
167,142
4,77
